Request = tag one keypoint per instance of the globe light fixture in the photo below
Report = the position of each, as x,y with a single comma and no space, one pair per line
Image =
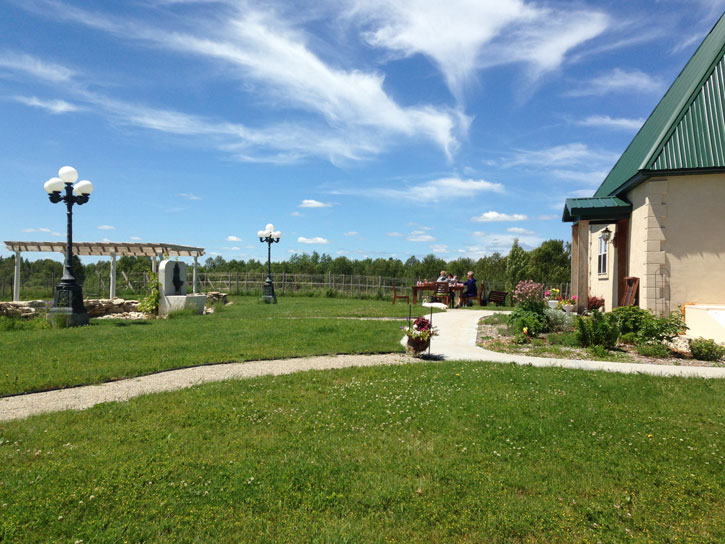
68,305
270,236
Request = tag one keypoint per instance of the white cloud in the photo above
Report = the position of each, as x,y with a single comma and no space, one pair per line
575,154
619,81
35,67
547,217
296,214
618,123
352,233
53,106
462,36
136,238
307,203
491,217
106,227
39,229
439,248
519,230
189,196
315,240
420,236
231,238
394,234
431,191
233,248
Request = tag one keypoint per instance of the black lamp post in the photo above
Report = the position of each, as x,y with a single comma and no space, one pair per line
269,235
68,301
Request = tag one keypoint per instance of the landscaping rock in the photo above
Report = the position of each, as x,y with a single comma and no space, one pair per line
213,297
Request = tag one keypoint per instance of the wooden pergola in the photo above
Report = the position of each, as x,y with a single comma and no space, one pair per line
108,249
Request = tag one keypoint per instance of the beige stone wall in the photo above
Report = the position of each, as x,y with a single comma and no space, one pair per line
676,244
602,285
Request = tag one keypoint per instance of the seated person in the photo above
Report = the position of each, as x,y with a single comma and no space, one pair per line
443,276
471,291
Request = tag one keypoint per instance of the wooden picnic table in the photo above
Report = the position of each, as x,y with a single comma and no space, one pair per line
431,286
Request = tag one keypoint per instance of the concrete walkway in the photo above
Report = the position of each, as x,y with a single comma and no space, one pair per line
457,341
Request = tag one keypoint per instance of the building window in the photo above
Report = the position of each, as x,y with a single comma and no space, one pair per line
602,258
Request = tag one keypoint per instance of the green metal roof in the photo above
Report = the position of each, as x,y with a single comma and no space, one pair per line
605,208
685,131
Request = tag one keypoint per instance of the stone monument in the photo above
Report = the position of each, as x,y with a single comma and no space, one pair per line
173,289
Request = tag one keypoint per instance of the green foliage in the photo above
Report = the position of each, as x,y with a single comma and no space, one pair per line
183,313
521,319
631,318
18,324
598,352
568,339
660,329
598,330
657,350
706,349
516,264
558,320
629,338
150,304
528,295
550,262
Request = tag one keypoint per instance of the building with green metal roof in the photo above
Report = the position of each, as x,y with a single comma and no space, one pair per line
658,217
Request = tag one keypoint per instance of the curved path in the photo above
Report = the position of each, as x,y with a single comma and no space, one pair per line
456,341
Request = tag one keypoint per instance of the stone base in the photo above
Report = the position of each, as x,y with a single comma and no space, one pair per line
173,303
67,317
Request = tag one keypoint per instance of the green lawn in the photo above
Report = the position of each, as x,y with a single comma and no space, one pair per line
429,452
36,360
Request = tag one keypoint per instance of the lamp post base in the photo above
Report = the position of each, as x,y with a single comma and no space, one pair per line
68,309
268,295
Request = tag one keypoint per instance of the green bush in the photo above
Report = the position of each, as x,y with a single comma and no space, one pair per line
706,350
628,338
598,352
533,321
568,339
150,304
660,329
631,318
598,330
558,321
660,351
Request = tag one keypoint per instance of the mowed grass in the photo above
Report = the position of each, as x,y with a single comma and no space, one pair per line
428,452
36,360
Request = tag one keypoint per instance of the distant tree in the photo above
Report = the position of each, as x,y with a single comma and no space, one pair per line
516,265
550,262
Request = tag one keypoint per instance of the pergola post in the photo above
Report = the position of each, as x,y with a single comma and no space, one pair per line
16,280
112,293
153,264
196,265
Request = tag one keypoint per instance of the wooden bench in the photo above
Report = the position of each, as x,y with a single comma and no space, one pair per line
499,297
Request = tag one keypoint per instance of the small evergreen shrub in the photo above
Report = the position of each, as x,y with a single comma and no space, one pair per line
706,350
631,318
656,330
598,330
558,321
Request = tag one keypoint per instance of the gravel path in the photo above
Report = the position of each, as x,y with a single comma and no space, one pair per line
80,398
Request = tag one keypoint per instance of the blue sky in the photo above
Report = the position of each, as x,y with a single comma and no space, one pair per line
364,128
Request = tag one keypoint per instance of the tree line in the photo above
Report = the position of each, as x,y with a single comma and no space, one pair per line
550,263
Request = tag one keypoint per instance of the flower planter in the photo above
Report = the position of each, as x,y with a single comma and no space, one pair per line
553,304
418,345
568,308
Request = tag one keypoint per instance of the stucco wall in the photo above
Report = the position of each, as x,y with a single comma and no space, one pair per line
676,244
602,285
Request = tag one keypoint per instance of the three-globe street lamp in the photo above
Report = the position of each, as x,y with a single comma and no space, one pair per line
269,235
68,301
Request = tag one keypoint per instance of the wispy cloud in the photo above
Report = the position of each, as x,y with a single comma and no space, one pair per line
488,243
315,240
308,203
34,66
519,230
232,238
463,36
53,106
352,233
619,81
296,214
394,234
39,229
420,236
189,196
106,227
492,217
436,190
135,238
618,123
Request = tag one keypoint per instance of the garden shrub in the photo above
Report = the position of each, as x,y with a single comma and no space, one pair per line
631,318
558,320
706,350
598,330
658,350
528,296
534,322
597,351
660,329
628,338
568,339
150,304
